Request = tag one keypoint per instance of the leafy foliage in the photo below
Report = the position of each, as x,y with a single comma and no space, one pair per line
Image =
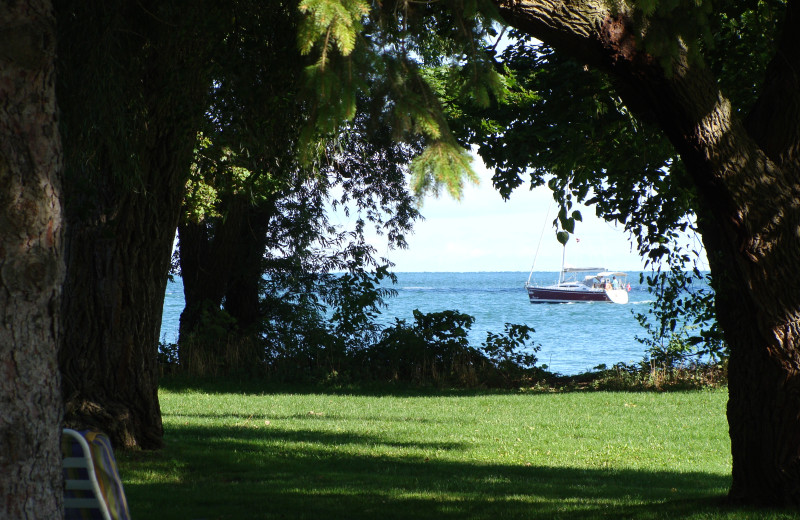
681,326
381,54
434,349
331,23
441,165
564,125
314,321
668,26
510,353
743,37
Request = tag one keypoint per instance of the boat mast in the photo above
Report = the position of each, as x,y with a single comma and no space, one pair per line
533,266
563,254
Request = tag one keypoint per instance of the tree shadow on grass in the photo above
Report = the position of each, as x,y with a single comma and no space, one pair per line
337,416
264,473
256,386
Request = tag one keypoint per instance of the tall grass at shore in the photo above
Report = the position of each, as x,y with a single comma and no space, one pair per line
465,455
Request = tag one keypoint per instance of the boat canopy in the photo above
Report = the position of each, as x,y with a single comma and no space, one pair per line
614,273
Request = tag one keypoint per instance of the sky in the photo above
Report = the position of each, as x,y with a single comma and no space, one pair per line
481,232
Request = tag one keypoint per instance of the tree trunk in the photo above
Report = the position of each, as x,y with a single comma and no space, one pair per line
112,308
243,297
205,270
132,90
764,374
206,256
210,252
31,264
222,260
747,178
764,406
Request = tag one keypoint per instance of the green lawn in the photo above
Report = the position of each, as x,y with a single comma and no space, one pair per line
242,455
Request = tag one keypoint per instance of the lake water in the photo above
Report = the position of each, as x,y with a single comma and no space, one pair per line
574,337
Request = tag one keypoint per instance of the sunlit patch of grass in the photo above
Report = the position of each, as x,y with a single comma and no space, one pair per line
513,455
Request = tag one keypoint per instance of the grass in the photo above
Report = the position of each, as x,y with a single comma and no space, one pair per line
253,454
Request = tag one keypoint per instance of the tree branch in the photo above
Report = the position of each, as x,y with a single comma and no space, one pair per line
773,120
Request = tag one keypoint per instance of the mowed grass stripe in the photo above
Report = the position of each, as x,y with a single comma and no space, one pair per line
318,455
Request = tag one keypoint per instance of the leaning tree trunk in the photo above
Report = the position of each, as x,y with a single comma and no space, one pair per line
747,176
31,264
132,92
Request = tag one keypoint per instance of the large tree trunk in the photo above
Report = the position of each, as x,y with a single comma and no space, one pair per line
31,264
205,259
761,313
222,261
132,91
747,175
207,254
112,309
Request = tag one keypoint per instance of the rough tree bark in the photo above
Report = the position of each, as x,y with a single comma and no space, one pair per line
747,174
133,85
31,264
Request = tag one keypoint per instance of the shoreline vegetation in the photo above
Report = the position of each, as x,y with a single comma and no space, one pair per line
643,377
433,350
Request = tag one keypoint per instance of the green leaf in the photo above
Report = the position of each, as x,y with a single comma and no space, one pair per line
569,225
443,164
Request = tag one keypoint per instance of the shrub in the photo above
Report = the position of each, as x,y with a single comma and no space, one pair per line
510,354
432,350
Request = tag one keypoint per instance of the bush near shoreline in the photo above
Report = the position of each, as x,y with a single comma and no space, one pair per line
431,351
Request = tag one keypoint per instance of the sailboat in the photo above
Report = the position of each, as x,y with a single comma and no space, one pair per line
581,284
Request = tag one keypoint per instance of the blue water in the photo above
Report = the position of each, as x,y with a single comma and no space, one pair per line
574,337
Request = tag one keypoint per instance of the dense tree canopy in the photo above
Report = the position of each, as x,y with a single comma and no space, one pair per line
256,246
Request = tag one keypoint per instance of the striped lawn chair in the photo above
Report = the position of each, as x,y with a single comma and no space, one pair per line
92,488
